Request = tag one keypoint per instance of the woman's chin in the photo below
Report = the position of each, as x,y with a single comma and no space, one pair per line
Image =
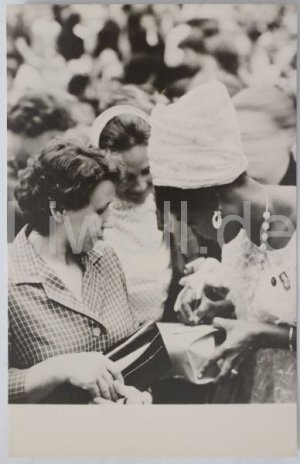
137,199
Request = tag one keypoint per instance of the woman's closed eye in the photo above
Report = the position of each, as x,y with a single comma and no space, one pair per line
100,211
132,177
146,171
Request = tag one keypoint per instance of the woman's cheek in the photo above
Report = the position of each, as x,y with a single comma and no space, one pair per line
150,181
121,189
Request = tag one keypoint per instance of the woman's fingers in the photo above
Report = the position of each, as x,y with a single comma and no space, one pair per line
133,396
187,311
147,398
114,370
190,317
193,266
110,382
104,389
93,389
226,369
99,400
184,281
120,388
184,314
219,353
181,317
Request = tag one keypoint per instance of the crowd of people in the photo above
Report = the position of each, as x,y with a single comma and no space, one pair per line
106,102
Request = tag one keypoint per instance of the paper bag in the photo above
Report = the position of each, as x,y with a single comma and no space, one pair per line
188,348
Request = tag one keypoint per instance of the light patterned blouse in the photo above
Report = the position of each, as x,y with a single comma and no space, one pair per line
263,288
132,232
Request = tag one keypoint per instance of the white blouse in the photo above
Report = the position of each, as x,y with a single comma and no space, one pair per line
132,232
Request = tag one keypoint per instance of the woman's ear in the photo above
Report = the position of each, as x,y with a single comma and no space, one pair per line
57,213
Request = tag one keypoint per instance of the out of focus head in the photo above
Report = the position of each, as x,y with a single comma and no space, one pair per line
267,118
127,135
73,185
32,120
194,51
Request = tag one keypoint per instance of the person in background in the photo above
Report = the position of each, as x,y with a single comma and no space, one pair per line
267,118
132,225
67,299
69,44
33,118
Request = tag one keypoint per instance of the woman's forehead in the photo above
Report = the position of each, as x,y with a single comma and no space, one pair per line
136,158
103,192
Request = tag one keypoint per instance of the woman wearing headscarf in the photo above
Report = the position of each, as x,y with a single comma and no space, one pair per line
196,156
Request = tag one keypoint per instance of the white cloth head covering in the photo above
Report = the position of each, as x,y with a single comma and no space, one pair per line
195,142
103,118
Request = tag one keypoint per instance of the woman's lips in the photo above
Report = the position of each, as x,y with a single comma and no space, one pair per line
138,195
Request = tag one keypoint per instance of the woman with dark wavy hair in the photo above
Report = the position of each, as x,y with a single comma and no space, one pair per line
67,299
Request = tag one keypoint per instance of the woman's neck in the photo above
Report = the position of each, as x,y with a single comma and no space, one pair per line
243,204
51,248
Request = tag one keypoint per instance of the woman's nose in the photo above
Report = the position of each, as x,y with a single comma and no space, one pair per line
104,217
140,186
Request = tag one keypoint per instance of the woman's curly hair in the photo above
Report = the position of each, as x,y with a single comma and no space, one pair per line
37,112
65,172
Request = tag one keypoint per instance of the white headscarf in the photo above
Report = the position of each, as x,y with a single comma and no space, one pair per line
195,142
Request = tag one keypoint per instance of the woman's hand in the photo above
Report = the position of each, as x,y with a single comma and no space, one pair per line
93,372
242,337
90,371
205,293
193,266
213,303
185,305
126,395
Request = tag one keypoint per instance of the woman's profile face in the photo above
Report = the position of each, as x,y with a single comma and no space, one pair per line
201,222
85,226
137,183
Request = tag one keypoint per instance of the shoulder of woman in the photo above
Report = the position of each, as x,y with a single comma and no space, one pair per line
104,250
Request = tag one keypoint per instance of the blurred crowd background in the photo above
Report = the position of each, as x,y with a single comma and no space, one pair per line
68,63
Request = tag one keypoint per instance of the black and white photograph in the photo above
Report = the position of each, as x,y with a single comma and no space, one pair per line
151,204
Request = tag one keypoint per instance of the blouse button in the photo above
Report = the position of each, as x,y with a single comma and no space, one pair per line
96,332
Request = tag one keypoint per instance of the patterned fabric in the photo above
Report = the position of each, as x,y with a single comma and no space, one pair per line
45,318
135,238
269,376
195,142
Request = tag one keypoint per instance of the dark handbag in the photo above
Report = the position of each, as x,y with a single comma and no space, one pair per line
142,357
